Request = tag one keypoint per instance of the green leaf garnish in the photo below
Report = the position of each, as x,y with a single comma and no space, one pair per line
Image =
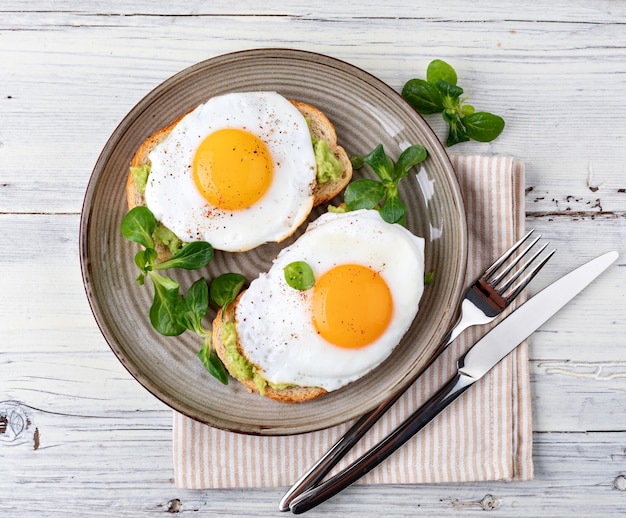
457,131
192,256
366,193
167,306
393,209
356,161
138,226
439,69
410,157
196,305
380,163
212,362
423,96
483,126
450,92
363,194
225,288
441,94
299,275
170,313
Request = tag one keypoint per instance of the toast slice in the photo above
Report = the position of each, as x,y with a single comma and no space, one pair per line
290,394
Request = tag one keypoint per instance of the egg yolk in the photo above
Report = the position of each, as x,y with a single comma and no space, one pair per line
232,169
352,306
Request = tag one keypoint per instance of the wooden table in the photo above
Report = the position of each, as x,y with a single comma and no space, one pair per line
94,442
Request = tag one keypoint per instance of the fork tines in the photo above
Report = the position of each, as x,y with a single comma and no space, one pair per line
507,284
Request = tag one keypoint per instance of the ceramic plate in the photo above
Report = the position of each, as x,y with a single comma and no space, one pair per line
365,112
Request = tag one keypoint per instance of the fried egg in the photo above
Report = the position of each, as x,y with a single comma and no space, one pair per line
369,278
237,171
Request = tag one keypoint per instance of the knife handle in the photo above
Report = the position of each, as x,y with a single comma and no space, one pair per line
413,424
330,459
319,470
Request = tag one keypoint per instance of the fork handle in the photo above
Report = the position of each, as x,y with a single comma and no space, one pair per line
471,315
418,420
330,459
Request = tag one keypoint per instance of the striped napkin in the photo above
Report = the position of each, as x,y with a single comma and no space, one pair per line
485,435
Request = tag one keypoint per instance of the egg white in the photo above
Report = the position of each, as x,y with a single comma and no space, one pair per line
273,320
173,197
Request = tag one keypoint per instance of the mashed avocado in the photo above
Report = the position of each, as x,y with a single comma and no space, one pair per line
238,366
328,167
140,175
339,209
166,237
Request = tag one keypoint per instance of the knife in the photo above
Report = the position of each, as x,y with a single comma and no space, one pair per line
472,366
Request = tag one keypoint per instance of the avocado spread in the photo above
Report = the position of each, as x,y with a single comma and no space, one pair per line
238,366
166,237
328,167
140,175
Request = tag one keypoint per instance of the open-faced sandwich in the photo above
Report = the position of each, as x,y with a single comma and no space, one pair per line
294,342
238,171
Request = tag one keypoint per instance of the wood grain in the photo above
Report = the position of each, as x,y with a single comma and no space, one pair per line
92,442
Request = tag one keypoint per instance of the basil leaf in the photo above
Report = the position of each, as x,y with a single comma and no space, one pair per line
167,306
190,257
299,275
411,156
363,194
450,91
226,287
483,126
439,69
380,163
138,225
423,96
393,210
429,278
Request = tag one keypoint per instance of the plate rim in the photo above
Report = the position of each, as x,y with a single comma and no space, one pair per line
144,103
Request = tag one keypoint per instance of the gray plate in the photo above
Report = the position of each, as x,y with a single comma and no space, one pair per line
365,112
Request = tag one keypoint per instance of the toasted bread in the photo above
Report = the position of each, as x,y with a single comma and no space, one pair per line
290,394
320,127
323,129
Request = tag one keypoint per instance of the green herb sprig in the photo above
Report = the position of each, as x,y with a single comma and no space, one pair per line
366,193
439,93
170,313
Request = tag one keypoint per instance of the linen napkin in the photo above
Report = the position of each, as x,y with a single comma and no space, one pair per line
485,435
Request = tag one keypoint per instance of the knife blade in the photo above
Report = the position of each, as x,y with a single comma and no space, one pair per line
472,366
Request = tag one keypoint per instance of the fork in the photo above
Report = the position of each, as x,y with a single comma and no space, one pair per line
498,286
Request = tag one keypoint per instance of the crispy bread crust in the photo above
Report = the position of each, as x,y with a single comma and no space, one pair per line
287,395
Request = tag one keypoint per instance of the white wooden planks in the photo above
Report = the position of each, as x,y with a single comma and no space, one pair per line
69,73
